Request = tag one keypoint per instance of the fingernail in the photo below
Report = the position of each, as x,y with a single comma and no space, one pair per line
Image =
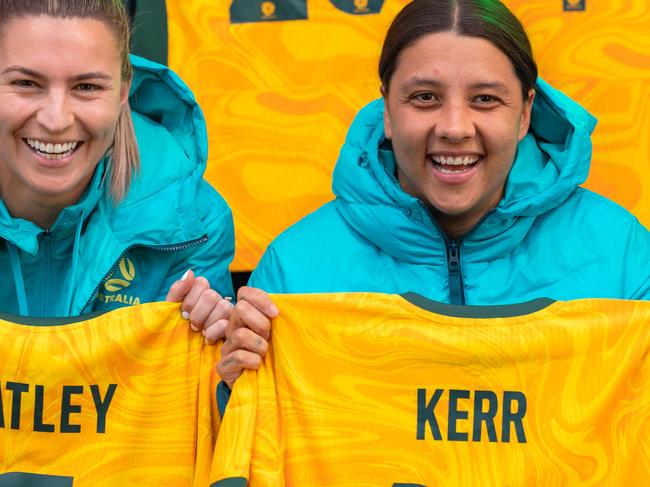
273,309
187,273
228,298
203,332
193,327
185,315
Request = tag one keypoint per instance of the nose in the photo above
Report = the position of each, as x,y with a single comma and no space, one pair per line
456,122
55,114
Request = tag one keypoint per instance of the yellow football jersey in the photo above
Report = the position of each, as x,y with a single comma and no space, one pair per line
120,399
373,390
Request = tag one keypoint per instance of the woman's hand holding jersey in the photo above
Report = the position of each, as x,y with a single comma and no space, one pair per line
206,310
247,334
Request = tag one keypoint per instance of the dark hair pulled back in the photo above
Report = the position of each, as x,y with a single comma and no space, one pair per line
487,19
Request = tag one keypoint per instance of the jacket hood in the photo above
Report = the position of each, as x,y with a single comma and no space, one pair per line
173,145
551,161
170,127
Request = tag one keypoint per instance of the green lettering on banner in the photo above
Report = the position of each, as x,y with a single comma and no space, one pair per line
67,409
359,7
38,412
510,397
2,411
486,417
426,414
456,414
17,388
23,479
243,11
101,406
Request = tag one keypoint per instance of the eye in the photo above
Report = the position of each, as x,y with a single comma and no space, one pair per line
24,83
424,99
87,87
486,100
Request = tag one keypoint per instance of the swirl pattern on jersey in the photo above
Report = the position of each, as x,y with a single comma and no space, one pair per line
156,427
347,396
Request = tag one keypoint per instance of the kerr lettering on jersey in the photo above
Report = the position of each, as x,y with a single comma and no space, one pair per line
20,393
484,406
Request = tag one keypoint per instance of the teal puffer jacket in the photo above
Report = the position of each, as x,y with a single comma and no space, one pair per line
96,256
547,237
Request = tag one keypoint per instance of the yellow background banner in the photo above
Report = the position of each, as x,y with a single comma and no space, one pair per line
279,91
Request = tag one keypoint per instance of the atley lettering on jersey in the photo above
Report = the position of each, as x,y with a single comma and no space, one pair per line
484,408
21,393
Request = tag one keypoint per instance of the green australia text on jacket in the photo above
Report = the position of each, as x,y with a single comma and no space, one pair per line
98,256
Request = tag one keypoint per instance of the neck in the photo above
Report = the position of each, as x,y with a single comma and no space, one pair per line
41,215
456,228
43,210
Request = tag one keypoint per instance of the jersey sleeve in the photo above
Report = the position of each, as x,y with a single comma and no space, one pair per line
249,444
232,458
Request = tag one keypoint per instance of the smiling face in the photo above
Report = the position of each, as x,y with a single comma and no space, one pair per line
60,97
455,113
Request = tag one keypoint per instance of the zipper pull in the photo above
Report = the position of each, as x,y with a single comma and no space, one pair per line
453,259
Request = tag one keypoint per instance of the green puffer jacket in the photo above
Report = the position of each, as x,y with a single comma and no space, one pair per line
97,257
548,237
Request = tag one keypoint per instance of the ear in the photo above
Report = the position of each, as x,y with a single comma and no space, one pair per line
387,127
125,89
524,123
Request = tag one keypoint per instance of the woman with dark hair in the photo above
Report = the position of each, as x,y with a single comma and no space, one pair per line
102,198
461,184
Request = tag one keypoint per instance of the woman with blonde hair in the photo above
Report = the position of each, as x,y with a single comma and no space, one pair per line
102,198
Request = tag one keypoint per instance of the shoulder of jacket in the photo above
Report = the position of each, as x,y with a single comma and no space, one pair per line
590,203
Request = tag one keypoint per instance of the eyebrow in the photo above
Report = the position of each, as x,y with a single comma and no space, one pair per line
37,75
416,81
20,69
493,85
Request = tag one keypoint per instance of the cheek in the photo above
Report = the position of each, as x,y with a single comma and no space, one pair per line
411,133
500,136
13,113
102,120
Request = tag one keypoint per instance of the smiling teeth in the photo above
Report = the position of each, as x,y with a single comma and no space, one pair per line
455,161
52,151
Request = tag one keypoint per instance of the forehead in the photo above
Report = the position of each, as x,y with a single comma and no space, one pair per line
451,58
56,44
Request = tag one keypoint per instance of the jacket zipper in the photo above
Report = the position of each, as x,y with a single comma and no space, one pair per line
456,289
160,248
452,248
45,242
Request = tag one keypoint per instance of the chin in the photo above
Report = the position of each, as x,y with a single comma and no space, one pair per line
451,210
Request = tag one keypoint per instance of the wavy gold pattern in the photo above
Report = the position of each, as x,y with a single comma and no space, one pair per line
279,96
160,424
336,400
